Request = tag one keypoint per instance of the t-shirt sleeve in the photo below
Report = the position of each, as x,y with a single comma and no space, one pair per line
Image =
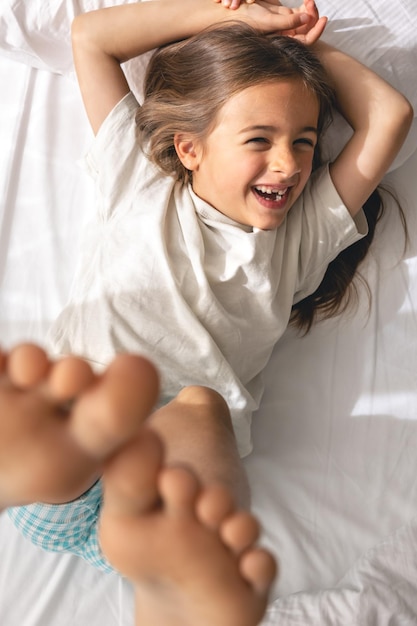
326,228
115,159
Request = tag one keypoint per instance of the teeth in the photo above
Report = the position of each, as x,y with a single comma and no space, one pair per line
268,190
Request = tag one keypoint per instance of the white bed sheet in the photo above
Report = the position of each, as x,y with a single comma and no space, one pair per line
347,406
334,467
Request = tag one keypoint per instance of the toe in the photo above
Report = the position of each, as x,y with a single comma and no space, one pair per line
27,365
240,531
112,410
214,505
132,382
179,489
259,568
130,477
69,377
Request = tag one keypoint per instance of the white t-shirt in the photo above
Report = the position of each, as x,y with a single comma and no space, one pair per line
166,275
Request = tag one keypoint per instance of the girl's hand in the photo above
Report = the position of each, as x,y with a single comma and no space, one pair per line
306,25
310,32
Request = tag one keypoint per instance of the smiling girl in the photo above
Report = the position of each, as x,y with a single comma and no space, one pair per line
211,222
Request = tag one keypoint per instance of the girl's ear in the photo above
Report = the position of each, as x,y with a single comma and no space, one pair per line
188,149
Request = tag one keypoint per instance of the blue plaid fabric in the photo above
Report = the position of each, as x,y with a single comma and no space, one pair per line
69,527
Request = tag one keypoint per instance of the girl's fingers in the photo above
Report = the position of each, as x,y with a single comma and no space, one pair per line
316,32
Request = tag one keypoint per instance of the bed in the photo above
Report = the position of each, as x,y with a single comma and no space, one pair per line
333,470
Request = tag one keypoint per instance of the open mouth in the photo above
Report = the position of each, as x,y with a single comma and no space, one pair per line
271,195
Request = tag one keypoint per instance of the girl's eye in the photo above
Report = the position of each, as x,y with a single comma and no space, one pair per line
306,142
258,143
257,140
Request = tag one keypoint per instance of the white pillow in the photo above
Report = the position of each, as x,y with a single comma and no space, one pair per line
38,32
382,35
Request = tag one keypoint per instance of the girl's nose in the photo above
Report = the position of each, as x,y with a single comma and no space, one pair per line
285,161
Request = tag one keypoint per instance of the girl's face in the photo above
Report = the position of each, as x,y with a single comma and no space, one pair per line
256,161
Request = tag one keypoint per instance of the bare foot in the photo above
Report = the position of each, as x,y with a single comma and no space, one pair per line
190,555
58,421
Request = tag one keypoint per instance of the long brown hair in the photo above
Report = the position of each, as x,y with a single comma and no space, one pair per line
337,291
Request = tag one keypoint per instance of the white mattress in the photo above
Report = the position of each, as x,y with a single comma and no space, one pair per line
334,467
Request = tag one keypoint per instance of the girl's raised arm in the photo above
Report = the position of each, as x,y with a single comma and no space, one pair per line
105,38
380,117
